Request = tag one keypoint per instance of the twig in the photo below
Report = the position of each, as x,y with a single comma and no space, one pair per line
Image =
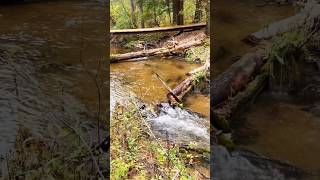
168,88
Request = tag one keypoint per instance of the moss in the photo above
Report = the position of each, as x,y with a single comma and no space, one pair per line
228,143
222,123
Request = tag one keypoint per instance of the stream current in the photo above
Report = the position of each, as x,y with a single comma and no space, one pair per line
42,80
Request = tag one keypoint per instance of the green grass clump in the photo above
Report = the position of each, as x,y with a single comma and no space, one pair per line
58,155
198,53
284,54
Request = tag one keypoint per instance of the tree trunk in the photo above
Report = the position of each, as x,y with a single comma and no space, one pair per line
198,12
177,7
133,16
180,22
169,10
207,7
140,3
236,77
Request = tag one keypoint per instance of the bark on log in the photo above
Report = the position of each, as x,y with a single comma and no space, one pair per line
236,77
309,14
185,86
167,49
223,114
205,67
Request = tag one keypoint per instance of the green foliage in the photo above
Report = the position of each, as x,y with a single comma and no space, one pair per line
199,76
155,13
285,47
284,55
59,155
198,53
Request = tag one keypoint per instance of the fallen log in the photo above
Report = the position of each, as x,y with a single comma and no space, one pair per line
310,14
236,77
223,114
174,47
205,67
185,86
159,29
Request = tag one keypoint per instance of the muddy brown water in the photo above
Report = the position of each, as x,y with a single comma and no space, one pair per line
141,80
280,127
234,20
275,125
42,78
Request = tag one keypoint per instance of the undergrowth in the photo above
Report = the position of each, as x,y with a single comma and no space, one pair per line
59,155
137,154
284,54
198,54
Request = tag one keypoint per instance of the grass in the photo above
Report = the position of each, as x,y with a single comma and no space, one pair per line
59,155
137,154
198,53
284,54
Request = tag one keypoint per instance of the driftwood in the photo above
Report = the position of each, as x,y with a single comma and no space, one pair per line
310,14
236,77
185,86
174,47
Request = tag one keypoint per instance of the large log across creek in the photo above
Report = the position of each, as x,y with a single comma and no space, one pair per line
159,29
177,45
309,15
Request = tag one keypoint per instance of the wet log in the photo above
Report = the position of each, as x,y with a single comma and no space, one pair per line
225,111
308,16
185,86
236,77
175,47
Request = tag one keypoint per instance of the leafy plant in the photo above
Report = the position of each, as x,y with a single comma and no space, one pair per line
284,54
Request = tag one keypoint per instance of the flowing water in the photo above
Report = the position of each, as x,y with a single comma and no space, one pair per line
276,125
139,80
42,78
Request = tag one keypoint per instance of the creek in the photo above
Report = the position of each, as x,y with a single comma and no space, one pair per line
42,78
138,79
276,125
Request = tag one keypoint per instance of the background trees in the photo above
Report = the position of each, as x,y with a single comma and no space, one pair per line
154,13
